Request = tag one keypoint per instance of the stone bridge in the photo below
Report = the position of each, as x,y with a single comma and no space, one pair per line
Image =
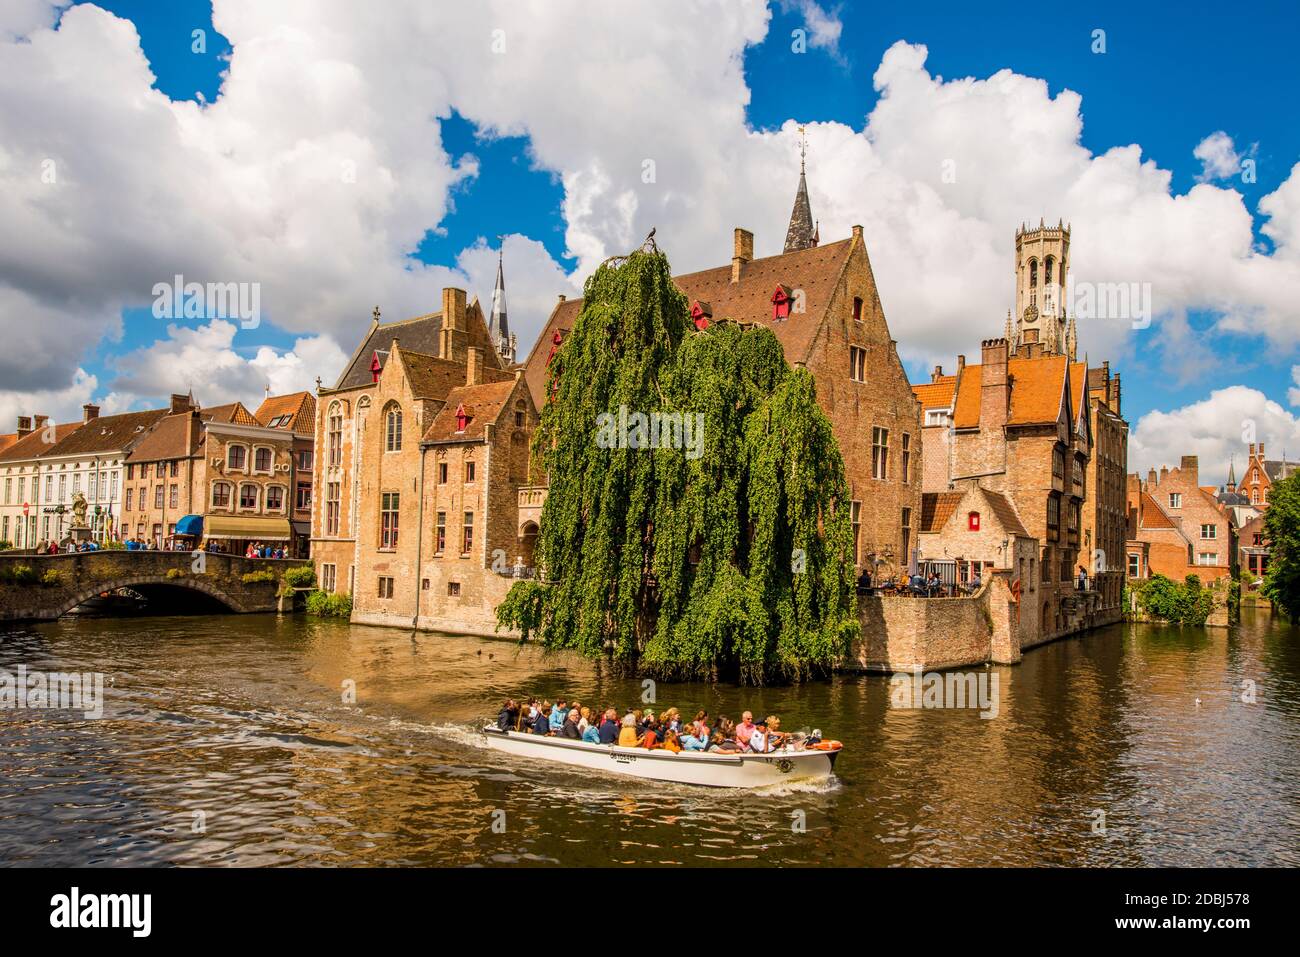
42,587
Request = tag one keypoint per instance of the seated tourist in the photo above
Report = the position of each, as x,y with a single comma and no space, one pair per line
758,741
745,729
570,727
776,738
723,744
558,714
627,737
608,731
584,719
592,735
542,722
672,741
864,582
672,720
508,715
692,740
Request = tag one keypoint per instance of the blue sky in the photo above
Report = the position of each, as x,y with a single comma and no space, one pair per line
1167,80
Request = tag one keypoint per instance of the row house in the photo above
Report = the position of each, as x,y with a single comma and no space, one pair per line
821,302
1260,474
50,465
1176,527
1105,515
424,448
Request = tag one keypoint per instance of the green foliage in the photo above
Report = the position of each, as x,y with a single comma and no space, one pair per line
733,563
51,578
1164,599
112,545
323,604
5,545
175,573
1282,532
301,576
252,578
19,574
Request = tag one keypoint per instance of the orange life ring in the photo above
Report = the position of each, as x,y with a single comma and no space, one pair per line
827,746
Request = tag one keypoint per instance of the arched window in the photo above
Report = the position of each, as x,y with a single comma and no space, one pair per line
1047,271
1033,273
392,427
334,440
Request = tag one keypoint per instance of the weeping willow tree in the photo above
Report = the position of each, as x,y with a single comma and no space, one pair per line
721,550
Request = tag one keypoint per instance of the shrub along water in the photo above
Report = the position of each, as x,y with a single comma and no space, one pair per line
1166,600
326,605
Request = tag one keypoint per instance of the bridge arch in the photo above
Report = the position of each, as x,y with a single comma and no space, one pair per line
186,582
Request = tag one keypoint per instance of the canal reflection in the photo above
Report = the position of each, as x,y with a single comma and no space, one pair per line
232,740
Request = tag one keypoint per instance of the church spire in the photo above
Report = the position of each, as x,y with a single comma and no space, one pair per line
499,326
801,234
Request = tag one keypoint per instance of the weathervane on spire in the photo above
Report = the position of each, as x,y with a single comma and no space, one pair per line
803,146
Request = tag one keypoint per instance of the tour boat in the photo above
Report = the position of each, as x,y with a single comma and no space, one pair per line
709,769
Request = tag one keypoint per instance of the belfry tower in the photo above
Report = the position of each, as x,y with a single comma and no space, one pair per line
1042,265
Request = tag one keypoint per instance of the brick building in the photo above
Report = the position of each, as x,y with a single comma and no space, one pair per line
976,528
1176,527
1260,473
821,303
1105,510
424,446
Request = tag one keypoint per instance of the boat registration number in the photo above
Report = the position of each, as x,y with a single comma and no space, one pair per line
624,758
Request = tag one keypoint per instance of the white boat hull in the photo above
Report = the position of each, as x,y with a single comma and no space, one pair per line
709,769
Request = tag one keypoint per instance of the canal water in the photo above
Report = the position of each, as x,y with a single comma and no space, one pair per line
228,740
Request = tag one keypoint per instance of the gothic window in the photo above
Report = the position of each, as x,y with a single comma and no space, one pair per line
1047,271
393,427
334,442
1033,273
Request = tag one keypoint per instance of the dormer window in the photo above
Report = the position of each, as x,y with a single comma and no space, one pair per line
376,367
701,314
781,300
462,418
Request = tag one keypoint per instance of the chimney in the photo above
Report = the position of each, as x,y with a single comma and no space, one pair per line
1190,465
24,425
89,412
1261,450
452,337
40,421
1151,480
179,403
1114,393
474,365
1164,471
995,391
857,234
742,252
937,374
1252,450
961,364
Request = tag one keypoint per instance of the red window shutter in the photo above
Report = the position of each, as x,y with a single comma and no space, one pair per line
461,418
973,521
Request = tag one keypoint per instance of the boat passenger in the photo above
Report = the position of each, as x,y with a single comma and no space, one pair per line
558,714
652,734
508,715
608,731
671,742
758,741
570,727
692,741
584,719
591,735
776,738
627,737
723,744
542,723
745,729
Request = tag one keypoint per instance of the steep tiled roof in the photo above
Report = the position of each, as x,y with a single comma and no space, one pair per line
109,433
1279,469
483,404
936,394
34,445
1006,514
1078,384
233,413
1037,386
169,439
7,440
937,508
432,378
419,334
1153,516
816,271
297,408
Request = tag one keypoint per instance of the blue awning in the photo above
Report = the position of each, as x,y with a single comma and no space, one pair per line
190,525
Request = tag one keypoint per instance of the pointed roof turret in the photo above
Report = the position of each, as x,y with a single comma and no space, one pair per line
801,234
1232,474
499,327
